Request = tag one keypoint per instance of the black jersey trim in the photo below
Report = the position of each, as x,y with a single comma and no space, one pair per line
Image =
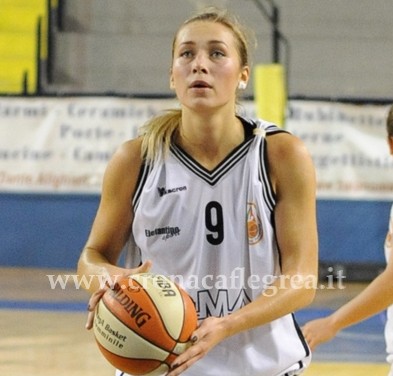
301,337
214,176
273,129
267,189
300,368
143,174
268,192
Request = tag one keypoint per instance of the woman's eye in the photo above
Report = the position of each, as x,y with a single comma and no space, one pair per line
218,54
186,54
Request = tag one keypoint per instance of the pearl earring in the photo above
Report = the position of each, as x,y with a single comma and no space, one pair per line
242,85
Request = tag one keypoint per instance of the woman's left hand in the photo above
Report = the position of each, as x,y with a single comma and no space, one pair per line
209,334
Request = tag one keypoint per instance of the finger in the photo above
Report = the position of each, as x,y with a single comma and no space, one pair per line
90,320
95,298
145,267
93,301
196,334
179,367
185,360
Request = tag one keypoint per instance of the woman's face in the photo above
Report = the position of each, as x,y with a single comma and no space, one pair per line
206,67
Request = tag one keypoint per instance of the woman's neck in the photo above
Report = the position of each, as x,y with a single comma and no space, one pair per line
209,139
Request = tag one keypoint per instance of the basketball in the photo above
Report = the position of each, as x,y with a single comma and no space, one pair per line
143,323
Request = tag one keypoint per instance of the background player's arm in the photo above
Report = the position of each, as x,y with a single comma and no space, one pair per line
112,224
293,178
376,297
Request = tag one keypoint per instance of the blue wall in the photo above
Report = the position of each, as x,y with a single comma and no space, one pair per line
352,231
44,230
50,230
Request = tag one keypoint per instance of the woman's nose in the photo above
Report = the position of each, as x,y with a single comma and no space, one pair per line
199,63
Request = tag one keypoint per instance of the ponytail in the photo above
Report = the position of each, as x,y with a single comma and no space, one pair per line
158,134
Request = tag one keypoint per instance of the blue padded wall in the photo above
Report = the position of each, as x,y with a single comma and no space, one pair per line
49,231
44,230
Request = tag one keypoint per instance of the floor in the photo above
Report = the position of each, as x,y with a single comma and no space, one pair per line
42,330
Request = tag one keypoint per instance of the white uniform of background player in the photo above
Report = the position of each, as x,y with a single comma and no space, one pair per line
213,232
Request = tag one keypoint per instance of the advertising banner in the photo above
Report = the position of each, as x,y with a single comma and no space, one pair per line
62,145
348,144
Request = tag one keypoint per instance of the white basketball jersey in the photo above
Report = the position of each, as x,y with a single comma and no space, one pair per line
213,232
389,322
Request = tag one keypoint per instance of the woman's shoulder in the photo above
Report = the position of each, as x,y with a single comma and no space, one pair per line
125,162
129,151
283,144
289,159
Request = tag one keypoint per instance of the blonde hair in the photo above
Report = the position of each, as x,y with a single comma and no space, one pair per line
158,134
389,122
159,131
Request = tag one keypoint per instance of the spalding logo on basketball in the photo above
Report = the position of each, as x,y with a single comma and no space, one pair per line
143,323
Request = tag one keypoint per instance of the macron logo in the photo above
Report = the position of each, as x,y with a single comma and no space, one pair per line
163,191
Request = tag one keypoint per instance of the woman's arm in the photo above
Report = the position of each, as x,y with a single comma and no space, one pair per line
376,297
113,221
293,177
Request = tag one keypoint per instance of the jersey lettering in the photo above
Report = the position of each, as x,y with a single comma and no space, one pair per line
214,222
223,304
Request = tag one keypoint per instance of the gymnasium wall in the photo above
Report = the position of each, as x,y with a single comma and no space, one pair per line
334,49
47,205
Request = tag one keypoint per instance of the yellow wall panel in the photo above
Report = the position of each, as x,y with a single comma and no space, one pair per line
12,72
270,92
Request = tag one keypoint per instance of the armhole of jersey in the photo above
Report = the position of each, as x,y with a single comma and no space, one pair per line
133,256
268,192
142,177
301,336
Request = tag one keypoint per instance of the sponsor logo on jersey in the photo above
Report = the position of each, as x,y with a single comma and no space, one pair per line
165,232
224,302
162,191
254,225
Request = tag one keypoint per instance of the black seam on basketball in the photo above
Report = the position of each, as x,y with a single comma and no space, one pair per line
140,359
118,319
158,311
184,321
170,352
184,318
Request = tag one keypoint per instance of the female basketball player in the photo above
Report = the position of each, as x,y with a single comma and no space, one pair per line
225,202
376,297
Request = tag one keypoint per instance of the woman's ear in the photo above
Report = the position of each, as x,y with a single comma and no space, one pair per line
244,77
171,82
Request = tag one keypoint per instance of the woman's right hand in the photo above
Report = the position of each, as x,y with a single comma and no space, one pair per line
96,296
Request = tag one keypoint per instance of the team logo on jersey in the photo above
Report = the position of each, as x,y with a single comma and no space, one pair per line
254,225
